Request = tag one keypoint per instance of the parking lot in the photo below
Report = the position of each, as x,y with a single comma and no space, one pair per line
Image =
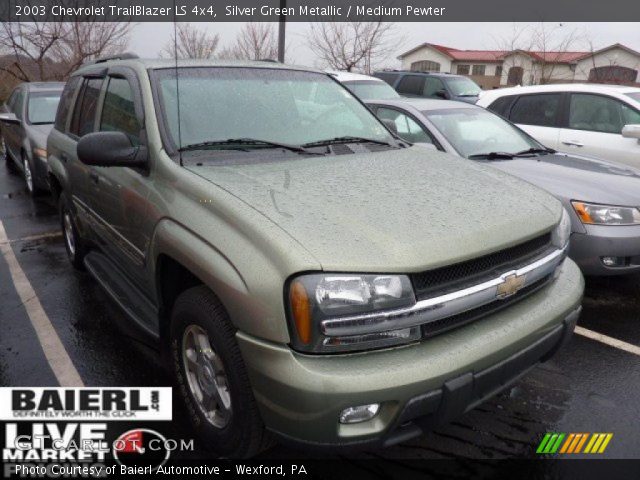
590,386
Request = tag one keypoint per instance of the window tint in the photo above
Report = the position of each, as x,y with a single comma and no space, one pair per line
84,114
411,85
64,107
390,78
536,110
500,105
596,113
630,116
408,128
118,111
431,86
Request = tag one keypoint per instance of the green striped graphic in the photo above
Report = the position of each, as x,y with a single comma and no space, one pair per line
543,443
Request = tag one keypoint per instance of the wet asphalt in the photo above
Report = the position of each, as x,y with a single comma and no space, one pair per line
587,387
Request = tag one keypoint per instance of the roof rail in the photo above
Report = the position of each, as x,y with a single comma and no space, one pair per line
117,56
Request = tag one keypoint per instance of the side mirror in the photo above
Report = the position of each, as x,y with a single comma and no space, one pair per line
391,125
442,94
110,149
631,131
9,117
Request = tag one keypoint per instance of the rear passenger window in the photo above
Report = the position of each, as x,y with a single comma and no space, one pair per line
64,107
411,85
84,114
539,110
500,105
118,111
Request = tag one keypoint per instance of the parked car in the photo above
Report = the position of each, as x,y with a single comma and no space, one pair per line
25,122
443,86
309,274
363,86
596,120
602,198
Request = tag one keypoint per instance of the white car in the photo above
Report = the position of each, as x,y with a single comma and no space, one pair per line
598,120
365,87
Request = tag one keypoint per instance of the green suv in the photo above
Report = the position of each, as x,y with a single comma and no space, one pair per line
307,273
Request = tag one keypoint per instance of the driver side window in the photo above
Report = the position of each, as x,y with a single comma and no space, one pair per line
408,128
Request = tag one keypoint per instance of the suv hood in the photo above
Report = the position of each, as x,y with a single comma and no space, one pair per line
392,211
574,177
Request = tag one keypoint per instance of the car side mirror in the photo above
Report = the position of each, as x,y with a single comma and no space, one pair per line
391,125
442,94
631,131
110,149
9,117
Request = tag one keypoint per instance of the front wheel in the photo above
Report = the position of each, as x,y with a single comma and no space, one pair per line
28,177
73,243
212,378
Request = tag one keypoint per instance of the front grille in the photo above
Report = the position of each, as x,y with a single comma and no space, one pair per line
432,329
472,272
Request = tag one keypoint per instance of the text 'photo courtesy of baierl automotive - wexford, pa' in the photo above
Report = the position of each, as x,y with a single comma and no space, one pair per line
316,240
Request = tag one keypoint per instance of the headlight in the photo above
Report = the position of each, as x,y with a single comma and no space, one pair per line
316,297
562,232
593,214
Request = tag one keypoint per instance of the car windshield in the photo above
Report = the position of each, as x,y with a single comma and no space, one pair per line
463,87
371,90
273,105
635,96
474,131
42,107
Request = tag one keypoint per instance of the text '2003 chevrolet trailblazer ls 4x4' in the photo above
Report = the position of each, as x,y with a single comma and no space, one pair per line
311,274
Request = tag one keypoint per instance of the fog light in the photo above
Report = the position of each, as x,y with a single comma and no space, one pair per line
359,414
613,261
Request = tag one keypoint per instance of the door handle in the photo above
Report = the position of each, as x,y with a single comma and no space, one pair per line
94,177
573,143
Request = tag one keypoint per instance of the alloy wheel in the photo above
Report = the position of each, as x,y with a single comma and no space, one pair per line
28,177
206,376
68,233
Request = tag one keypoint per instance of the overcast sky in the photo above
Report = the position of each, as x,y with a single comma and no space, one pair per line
148,38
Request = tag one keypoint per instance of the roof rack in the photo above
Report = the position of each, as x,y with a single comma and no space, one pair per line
416,71
117,56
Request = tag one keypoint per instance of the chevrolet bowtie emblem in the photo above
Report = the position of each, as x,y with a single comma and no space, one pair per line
512,283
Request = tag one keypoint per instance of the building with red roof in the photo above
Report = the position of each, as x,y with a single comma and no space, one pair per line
615,63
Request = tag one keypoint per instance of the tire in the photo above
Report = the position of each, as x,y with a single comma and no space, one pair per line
73,243
233,427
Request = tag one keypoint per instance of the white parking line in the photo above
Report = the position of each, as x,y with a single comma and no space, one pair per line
54,350
31,238
612,342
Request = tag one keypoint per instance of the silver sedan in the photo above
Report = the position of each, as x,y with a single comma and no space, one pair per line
602,198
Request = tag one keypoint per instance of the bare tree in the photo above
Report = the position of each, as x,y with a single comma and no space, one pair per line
255,41
352,45
539,52
35,51
189,42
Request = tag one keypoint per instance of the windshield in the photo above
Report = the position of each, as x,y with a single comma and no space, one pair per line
463,87
635,96
284,106
473,131
371,90
43,107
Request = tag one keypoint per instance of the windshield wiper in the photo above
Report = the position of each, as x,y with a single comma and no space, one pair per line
533,150
346,139
491,156
243,143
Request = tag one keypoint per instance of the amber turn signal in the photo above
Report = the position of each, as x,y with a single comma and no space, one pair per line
301,311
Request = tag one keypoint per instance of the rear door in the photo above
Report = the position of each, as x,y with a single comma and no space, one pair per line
411,85
539,114
594,127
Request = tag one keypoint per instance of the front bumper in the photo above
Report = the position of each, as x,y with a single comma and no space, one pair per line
301,396
600,241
